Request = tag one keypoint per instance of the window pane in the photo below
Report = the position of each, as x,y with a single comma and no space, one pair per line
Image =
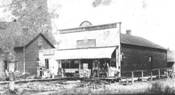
86,43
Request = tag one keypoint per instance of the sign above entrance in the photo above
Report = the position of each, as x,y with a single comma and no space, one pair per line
90,36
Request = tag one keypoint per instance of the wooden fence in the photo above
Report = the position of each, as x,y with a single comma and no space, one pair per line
146,74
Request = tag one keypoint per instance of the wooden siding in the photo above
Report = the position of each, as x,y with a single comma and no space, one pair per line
20,59
32,53
137,58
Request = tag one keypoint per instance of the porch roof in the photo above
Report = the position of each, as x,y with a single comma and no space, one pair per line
85,53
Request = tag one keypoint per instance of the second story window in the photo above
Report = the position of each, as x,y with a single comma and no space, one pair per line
150,59
86,43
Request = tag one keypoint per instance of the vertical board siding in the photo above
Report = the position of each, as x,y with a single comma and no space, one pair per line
137,58
32,54
19,58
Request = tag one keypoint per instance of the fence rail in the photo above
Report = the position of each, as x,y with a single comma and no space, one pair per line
142,74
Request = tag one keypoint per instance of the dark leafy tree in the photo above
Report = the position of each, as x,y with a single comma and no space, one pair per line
31,17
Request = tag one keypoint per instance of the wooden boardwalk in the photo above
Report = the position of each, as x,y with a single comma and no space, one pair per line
132,78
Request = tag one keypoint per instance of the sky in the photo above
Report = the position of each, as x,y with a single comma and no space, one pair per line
151,19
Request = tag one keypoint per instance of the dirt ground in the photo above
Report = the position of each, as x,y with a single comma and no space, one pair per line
82,87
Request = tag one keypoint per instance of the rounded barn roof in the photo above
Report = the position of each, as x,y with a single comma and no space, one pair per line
138,41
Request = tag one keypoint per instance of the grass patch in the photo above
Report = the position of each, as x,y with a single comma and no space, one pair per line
158,89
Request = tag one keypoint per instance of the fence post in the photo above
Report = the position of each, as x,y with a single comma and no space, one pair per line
132,75
151,75
159,73
142,75
126,80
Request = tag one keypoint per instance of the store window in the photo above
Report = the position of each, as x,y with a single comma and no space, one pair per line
88,62
70,64
76,64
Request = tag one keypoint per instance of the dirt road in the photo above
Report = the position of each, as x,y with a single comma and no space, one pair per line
83,88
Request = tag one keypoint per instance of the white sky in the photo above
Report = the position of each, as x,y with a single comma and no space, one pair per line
151,19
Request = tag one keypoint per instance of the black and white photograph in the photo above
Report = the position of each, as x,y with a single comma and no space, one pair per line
87,47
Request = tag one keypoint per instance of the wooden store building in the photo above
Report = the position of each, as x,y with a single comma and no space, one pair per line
93,51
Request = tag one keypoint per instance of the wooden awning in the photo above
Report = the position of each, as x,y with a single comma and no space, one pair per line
86,53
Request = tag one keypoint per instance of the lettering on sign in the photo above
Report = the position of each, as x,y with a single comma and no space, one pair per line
86,43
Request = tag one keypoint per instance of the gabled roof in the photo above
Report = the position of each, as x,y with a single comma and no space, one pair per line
27,42
42,35
138,41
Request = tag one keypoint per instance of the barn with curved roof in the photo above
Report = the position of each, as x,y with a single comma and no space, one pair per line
141,54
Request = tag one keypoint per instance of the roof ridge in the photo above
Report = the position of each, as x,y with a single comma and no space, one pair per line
139,41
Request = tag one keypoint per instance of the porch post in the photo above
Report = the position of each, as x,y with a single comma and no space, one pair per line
24,59
117,60
119,51
79,67
142,75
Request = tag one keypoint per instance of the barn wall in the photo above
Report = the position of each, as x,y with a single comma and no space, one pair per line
137,58
32,53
